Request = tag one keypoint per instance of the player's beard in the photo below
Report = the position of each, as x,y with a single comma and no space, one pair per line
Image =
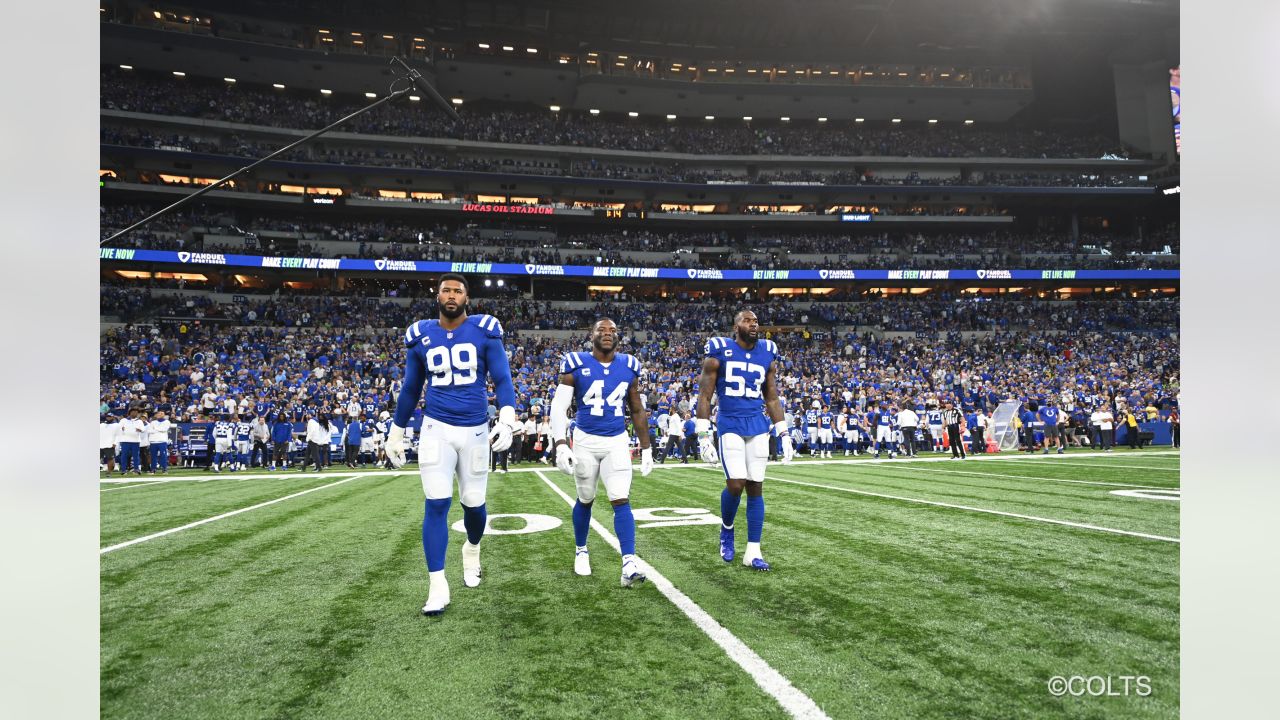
455,313
599,346
748,336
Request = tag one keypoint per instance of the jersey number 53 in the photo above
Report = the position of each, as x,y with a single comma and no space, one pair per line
454,365
738,379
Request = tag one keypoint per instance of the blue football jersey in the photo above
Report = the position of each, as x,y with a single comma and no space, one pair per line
811,419
824,421
1049,416
740,384
243,429
601,392
934,417
456,363
885,419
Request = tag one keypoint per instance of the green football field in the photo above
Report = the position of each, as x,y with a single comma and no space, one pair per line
900,589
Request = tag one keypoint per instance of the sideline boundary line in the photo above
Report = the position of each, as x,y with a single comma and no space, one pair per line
793,701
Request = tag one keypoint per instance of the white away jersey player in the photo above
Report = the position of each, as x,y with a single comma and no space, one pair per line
743,426
601,447
222,432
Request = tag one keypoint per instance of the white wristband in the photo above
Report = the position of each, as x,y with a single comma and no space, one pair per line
780,428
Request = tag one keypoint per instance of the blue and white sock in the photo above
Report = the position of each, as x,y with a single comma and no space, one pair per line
624,526
729,507
435,532
581,523
474,520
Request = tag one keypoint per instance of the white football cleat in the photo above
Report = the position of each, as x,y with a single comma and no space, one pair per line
631,574
438,597
471,564
582,562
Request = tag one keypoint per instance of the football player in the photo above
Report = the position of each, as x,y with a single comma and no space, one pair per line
600,382
244,441
740,372
223,430
826,435
452,355
934,415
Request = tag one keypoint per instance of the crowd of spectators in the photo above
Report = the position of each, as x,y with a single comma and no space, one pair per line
195,370
933,312
191,97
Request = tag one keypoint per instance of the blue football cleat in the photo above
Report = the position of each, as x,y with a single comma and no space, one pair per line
726,544
759,565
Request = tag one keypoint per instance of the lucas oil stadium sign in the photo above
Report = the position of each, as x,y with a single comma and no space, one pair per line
590,271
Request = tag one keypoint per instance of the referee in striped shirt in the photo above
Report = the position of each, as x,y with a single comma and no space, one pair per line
952,418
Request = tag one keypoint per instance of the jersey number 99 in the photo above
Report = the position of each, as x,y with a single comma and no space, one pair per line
737,379
594,396
454,365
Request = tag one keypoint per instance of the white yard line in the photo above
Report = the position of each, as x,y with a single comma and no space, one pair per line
1166,468
978,510
209,477
263,476
136,483
948,471
792,700
198,523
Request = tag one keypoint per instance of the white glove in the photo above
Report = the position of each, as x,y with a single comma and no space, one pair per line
787,450
707,450
500,437
565,460
395,446
646,462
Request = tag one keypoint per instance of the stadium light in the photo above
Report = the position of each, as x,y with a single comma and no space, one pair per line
633,113
456,101
324,91
896,120
179,73
531,51
508,48
786,119
933,121
671,117
501,282
746,118
555,108
968,122
414,98
859,119
230,80
277,86
488,283
709,117
126,67
622,57
822,119
371,95
564,61
483,46
595,111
